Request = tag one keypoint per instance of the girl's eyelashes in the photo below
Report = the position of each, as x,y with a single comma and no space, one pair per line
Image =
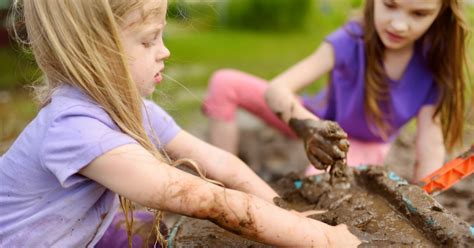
390,4
419,14
148,44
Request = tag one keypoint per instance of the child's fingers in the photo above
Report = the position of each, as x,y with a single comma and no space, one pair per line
315,162
312,212
321,155
333,131
308,212
329,147
343,145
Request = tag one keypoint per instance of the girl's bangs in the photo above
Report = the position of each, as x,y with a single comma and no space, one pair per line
153,11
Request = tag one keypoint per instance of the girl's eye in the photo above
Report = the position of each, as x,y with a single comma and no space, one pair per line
390,5
148,44
419,14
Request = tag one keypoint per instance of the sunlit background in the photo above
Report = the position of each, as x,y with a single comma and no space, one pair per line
262,37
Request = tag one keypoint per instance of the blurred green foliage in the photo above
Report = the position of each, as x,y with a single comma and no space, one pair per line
262,15
202,15
200,44
177,9
17,68
275,15
4,4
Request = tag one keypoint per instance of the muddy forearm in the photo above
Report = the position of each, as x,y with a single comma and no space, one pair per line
237,212
259,220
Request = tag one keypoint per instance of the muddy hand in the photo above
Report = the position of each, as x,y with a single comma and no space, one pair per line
325,142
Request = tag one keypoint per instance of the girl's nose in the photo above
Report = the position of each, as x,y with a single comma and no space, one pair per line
163,53
399,25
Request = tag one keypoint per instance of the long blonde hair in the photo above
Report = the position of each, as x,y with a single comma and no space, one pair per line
77,42
446,39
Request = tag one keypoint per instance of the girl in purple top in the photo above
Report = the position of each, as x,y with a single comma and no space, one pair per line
96,137
405,59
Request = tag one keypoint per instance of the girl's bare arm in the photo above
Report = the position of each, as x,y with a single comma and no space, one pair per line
325,142
133,172
220,165
280,94
430,151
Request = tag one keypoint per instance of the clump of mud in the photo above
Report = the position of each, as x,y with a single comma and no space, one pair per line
378,206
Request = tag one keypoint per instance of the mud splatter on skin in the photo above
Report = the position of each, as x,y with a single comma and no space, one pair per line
219,212
373,208
279,112
325,144
279,115
213,207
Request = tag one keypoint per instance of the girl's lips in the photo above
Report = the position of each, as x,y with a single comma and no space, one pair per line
393,37
158,78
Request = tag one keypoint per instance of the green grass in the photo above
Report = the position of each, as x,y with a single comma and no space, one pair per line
196,54
198,49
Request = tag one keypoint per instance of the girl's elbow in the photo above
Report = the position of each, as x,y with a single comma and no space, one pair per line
273,93
269,92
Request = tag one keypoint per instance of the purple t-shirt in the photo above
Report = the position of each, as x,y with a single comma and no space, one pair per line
343,100
44,202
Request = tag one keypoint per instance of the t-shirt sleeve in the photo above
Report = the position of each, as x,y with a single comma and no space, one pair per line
75,138
163,125
433,94
343,41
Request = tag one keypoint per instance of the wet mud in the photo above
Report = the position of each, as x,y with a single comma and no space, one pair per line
381,208
460,199
189,232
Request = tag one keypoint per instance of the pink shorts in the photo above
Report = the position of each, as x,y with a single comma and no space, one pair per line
231,89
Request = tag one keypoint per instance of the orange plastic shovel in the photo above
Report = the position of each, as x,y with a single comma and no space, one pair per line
451,173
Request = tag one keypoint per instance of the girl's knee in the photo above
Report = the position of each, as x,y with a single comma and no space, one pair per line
220,100
223,78
221,87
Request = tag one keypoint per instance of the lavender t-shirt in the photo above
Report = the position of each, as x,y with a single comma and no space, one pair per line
44,202
343,100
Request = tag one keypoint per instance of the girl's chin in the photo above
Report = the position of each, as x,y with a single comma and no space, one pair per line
147,92
394,46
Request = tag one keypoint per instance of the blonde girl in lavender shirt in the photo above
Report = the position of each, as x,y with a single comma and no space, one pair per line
97,138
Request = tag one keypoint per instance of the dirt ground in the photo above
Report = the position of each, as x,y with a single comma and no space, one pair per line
379,207
273,156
